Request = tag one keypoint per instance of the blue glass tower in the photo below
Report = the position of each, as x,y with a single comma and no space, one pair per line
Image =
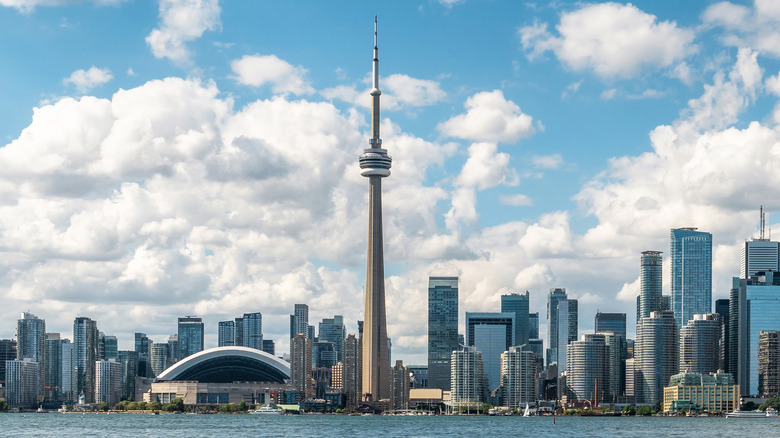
691,262
190,336
442,329
518,304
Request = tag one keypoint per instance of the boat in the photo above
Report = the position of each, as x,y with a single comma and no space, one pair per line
527,411
770,413
267,410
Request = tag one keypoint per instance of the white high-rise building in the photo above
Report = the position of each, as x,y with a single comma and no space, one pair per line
22,383
108,381
759,255
468,378
518,372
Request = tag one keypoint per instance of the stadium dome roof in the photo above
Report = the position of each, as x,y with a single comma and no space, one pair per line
227,365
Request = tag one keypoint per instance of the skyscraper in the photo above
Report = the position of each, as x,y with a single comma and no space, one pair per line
30,343
699,346
85,340
300,367
7,352
491,333
769,363
552,323
568,321
399,396
107,347
533,325
722,309
129,361
299,321
588,368
53,368
159,358
352,380
691,263
226,333
518,377
468,378
650,283
616,366
68,370
190,336
142,349
108,381
442,329
333,330
238,334
759,254
656,356
611,322
518,304
22,383
375,165
253,330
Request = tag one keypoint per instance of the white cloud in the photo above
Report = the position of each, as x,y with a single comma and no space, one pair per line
256,71
182,21
85,80
489,118
553,161
399,91
612,40
756,28
485,167
609,94
518,200
27,6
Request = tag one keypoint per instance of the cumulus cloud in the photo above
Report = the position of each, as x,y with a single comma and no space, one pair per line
257,70
489,117
182,21
86,80
553,161
518,200
610,39
30,5
756,27
399,91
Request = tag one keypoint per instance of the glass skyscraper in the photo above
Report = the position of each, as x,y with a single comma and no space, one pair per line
85,341
649,283
588,362
226,333
656,356
190,336
691,266
492,333
568,321
759,255
611,322
30,343
518,304
533,325
442,329
555,295
699,344
758,310
253,330
333,330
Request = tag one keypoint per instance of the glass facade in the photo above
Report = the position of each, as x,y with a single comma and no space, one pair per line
691,267
650,283
85,339
656,356
442,329
554,296
588,361
491,334
699,346
611,322
518,304
190,336
533,325
253,330
759,255
468,378
759,310
568,320
333,330
30,343
226,333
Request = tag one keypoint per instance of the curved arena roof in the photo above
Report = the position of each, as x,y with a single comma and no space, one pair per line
227,365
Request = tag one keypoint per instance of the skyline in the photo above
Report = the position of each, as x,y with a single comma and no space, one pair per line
530,152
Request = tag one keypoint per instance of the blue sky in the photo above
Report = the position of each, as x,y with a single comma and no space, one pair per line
200,157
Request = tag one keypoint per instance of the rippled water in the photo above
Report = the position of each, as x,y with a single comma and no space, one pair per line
68,425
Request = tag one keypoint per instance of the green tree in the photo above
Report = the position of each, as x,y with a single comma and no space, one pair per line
153,406
122,406
644,410
68,408
4,406
682,411
629,410
242,406
102,406
657,407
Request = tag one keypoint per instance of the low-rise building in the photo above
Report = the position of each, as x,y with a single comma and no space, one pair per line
701,393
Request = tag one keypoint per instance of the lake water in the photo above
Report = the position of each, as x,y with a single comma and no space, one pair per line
127,425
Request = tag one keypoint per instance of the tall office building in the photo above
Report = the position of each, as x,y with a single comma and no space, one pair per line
491,333
299,321
518,304
650,283
269,347
588,368
190,336
352,379
722,309
333,330
69,393
323,354
468,378
518,377
691,267
129,361
173,349
159,358
85,340
300,367
656,356
699,346
108,381
375,165
769,363
30,343
22,383
253,330
568,320
7,352
758,310
238,334
611,322
759,254
630,378
442,329
616,366
142,349
553,297
226,333
399,396
53,368
533,325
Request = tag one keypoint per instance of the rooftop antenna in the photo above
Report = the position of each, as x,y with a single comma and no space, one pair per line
763,223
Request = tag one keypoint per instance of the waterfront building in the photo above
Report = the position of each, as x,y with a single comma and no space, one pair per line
518,377
650,283
226,333
419,376
22,383
399,396
375,165
7,352
758,310
190,336
691,270
442,329
253,330
108,381
333,330
129,361
588,368
533,326
518,304
616,367
699,349
352,379
85,341
553,297
696,392
468,378
159,358
30,343
142,344
300,367
53,368
722,309
769,363
492,333
656,356
568,317
611,322
269,347
68,372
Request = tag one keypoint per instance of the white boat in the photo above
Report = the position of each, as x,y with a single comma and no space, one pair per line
527,411
267,410
770,412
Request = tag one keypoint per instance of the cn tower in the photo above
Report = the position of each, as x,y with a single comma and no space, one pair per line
375,165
